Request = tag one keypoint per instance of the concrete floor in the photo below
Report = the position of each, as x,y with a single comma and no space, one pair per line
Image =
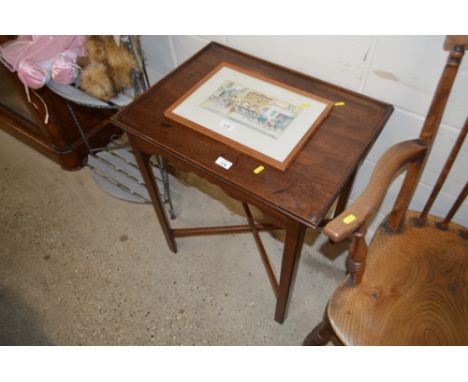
79,267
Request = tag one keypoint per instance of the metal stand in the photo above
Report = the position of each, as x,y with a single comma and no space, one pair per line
114,166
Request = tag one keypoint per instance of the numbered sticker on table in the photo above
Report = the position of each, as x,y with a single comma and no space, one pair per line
225,124
223,163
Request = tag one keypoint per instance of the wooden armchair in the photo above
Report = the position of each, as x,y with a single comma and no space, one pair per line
410,287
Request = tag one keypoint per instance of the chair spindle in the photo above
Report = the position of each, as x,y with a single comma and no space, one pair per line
358,254
443,175
461,198
428,132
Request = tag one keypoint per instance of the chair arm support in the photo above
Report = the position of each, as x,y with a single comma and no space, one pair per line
369,201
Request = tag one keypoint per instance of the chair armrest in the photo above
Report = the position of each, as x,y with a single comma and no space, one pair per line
369,201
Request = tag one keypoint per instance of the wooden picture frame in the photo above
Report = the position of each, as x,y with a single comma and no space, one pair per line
266,119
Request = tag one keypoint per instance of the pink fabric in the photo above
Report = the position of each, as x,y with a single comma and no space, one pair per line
39,48
37,59
32,74
64,69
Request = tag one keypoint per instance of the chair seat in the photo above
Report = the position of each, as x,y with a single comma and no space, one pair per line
414,290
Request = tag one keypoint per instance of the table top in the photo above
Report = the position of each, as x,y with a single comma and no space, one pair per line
311,183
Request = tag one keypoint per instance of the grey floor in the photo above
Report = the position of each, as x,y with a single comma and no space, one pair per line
79,267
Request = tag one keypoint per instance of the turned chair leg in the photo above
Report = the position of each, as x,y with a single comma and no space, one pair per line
320,335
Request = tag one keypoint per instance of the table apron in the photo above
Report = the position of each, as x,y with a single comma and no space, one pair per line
276,216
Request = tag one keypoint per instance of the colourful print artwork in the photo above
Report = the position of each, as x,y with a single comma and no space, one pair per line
252,108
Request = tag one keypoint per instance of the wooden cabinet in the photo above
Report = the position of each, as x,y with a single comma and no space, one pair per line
59,139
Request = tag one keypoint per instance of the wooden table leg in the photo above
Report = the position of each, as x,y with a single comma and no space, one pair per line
291,254
143,161
344,195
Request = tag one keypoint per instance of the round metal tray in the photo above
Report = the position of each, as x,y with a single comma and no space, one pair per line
78,96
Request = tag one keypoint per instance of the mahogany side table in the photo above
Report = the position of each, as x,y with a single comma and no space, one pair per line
294,199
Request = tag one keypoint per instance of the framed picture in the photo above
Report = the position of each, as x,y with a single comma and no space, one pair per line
258,116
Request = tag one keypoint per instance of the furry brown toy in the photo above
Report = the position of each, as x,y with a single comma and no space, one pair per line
107,68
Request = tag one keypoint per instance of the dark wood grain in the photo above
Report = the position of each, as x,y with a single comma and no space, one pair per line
308,188
344,195
292,199
291,254
261,250
217,230
146,170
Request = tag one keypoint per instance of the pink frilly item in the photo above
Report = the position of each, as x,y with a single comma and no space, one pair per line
32,74
39,49
38,59
64,69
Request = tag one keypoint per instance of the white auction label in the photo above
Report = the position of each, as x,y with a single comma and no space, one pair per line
223,163
226,124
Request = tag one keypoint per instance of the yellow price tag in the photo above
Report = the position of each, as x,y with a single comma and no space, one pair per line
349,219
259,169
339,104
